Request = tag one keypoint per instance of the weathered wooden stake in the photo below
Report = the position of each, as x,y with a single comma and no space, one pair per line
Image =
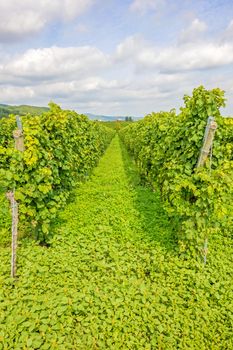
14,229
19,145
207,145
208,141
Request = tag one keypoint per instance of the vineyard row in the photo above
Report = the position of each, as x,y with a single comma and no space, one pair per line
166,147
59,149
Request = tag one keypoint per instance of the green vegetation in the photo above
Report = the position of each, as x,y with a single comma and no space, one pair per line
166,147
61,148
112,279
116,124
110,275
5,220
6,110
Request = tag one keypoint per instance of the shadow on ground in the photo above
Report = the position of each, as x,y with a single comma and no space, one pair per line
154,220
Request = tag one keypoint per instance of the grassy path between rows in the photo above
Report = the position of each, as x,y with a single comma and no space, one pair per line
112,278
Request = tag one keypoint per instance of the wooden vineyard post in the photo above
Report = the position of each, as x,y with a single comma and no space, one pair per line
19,145
208,141
14,226
205,151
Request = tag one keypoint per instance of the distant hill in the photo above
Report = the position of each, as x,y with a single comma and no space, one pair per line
5,110
106,118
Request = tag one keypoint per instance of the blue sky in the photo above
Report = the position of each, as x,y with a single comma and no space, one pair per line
114,57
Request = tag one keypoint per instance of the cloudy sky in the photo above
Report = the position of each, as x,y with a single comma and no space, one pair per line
118,57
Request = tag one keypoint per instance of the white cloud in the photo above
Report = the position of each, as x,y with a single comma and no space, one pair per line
130,47
191,56
23,93
22,18
194,31
143,6
137,78
96,94
136,96
54,63
78,88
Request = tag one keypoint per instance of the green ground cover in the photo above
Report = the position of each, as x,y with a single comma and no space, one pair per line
112,277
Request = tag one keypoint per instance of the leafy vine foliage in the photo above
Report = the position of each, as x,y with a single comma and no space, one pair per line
61,147
166,148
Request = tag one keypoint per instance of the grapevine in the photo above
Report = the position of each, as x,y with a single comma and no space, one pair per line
166,148
61,147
